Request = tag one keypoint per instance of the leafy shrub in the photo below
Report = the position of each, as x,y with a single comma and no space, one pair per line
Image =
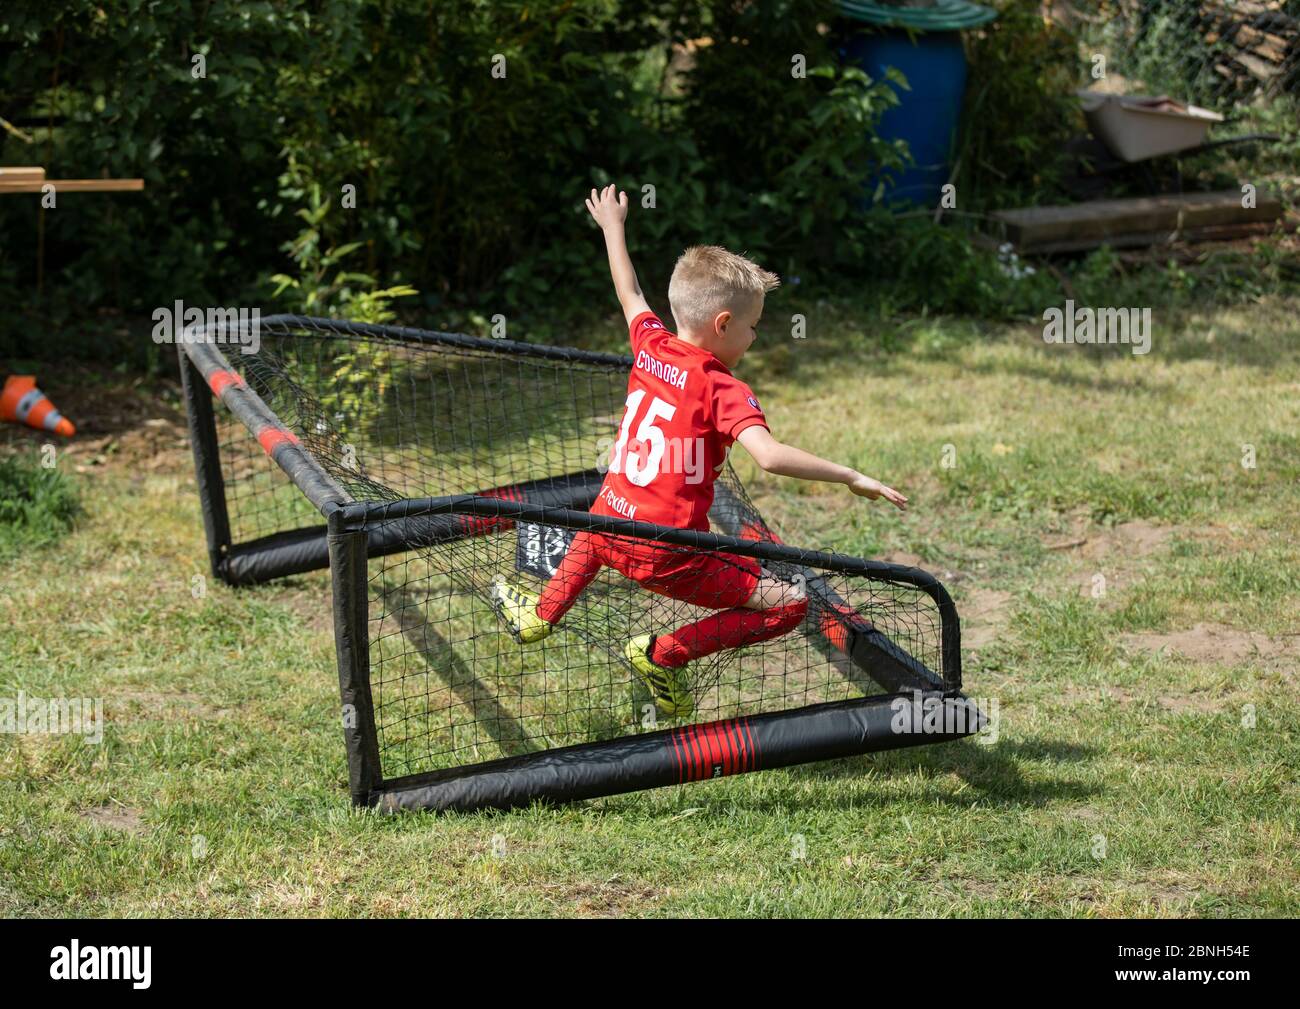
37,506
1019,108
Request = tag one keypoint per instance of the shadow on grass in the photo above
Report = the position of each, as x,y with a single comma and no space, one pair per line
437,655
993,772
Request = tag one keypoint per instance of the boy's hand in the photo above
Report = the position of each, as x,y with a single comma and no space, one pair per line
608,207
865,486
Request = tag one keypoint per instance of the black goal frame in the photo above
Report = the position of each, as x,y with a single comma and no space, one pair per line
920,706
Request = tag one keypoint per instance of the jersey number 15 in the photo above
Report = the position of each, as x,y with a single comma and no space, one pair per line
642,466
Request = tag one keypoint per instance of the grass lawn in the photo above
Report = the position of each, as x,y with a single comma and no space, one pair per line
1130,596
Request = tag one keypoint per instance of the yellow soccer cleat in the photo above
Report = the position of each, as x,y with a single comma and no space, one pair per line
518,611
667,685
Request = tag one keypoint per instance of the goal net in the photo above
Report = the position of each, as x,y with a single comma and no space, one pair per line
426,470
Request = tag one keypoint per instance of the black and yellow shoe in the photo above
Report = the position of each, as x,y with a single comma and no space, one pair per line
518,611
666,685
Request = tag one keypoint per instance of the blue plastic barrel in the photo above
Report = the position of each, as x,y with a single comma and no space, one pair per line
927,116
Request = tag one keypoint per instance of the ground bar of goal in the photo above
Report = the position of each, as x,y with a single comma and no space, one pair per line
689,753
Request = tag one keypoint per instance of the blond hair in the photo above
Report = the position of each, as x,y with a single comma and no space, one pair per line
708,279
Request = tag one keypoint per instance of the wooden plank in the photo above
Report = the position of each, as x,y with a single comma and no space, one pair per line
1261,70
17,174
1271,47
1239,8
1221,233
74,186
1031,228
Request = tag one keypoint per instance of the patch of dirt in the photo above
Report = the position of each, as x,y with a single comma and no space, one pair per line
945,574
984,616
1217,643
1111,580
313,606
965,886
984,612
155,446
902,557
185,705
612,898
1131,540
1110,552
113,817
1201,703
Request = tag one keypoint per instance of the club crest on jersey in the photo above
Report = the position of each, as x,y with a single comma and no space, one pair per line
753,402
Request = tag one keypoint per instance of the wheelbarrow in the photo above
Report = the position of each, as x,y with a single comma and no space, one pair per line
1131,130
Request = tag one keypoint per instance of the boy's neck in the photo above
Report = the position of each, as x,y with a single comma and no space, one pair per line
696,341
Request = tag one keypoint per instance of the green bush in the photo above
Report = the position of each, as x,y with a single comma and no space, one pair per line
1019,110
336,155
37,506
467,184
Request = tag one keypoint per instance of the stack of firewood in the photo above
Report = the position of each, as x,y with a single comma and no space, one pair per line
1256,45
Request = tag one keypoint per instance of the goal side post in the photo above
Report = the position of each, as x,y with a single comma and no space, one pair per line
202,423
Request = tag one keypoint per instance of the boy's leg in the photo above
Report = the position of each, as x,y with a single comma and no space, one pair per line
774,607
758,607
582,563
531,619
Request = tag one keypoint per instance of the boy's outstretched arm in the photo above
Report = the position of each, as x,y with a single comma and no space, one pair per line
786,460
609,208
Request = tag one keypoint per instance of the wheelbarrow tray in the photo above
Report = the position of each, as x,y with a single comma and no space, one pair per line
1135,128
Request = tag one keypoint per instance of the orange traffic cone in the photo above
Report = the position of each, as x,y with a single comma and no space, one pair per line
23,403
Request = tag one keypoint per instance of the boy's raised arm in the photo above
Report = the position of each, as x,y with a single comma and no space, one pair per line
609,208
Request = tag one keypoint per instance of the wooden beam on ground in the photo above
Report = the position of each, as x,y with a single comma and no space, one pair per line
1144,220
72,185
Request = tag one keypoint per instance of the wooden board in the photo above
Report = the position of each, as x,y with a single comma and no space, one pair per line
21,174
1101,222
1220,233
73,185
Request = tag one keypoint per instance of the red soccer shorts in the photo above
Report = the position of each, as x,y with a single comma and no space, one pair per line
716,581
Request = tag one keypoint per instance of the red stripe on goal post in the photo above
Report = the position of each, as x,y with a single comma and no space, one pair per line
748,731
220,380
728,744
271,438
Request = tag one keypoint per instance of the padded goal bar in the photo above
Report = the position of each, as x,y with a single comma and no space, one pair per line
299,550
690,753
885,662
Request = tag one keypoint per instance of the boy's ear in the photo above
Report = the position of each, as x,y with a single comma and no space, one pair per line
720,321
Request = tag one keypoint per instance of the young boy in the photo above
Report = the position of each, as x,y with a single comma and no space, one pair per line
684,411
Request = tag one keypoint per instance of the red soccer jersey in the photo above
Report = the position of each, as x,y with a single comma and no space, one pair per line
684,410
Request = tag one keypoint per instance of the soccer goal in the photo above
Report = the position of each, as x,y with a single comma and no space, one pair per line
422,467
